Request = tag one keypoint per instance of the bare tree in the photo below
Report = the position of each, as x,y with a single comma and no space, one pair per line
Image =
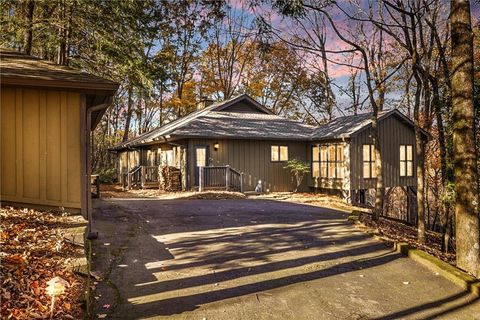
231,50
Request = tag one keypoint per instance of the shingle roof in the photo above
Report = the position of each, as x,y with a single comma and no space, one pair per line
213,123
245,125
18,68
344,127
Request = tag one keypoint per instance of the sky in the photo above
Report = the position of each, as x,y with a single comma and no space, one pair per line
339,73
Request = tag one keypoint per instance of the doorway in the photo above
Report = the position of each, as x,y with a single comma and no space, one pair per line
200,159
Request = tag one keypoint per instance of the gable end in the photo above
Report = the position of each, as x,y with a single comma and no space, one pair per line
243,104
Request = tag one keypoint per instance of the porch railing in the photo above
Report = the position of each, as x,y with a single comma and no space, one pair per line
141,176
220,178
150,176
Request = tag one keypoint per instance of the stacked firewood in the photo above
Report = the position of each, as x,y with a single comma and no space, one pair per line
171,179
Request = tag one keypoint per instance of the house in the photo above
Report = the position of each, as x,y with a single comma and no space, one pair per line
244,136
47,113
239,132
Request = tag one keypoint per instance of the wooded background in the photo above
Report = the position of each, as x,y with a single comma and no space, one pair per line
290,55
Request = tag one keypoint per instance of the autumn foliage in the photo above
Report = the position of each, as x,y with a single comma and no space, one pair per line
33,252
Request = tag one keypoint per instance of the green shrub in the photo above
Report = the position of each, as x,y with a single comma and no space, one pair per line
107,175
298,169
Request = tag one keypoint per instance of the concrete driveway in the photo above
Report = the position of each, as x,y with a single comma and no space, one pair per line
256,259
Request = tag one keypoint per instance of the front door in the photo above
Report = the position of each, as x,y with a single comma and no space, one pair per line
200,155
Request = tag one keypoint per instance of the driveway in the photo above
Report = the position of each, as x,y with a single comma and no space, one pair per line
256,259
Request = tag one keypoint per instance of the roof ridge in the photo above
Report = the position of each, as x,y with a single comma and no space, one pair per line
177,123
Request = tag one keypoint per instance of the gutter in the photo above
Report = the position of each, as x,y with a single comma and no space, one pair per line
89,111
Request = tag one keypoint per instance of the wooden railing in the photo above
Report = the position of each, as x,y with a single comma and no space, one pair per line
150,176
220,178
141,176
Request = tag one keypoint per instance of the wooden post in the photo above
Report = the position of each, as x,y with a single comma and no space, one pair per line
241,182
227,177
142,176
159,178
200,179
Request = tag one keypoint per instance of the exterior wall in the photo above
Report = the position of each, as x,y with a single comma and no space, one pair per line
41,147
392,134
149,156
331,183
127,160
242,107
252,157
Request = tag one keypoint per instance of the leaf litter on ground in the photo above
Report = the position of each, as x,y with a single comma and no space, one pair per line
35,251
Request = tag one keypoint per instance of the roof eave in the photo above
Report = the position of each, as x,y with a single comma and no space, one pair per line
90,87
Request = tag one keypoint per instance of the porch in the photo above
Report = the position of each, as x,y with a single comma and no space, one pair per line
209,178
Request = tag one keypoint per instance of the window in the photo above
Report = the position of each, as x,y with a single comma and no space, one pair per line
315,162
406,161
369,161
327,161
166,158
201,157
279,153
339,162
151,157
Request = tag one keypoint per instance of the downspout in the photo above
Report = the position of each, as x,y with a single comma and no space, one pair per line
91,234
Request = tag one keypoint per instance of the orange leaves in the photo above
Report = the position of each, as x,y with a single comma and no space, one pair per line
33,252
14,261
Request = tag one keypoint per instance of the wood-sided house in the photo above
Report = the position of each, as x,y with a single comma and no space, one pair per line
47,114
249,139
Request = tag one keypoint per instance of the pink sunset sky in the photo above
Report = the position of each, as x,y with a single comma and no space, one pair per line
333,42
338,72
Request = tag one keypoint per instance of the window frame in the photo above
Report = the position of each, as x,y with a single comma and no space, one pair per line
370,161
279,153
406,161
313,162
325,163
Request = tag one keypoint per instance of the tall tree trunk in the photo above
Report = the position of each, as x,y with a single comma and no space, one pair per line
379,189
465,164
128,115
27,46
442,143
62,35
419,152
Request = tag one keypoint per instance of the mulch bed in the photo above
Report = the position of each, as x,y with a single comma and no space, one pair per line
316,199
115,191
33,252
398,232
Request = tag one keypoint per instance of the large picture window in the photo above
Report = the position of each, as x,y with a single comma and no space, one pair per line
406,161
369,161
327,161
279,153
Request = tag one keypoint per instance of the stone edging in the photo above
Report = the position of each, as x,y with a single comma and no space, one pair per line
443,268
433,263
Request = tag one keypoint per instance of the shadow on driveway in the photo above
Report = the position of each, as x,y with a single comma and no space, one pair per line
244,259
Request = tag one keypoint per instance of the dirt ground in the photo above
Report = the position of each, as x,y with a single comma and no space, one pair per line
116,191
317,199
256,259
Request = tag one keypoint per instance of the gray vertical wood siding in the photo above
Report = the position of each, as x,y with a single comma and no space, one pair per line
252,157
393,133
